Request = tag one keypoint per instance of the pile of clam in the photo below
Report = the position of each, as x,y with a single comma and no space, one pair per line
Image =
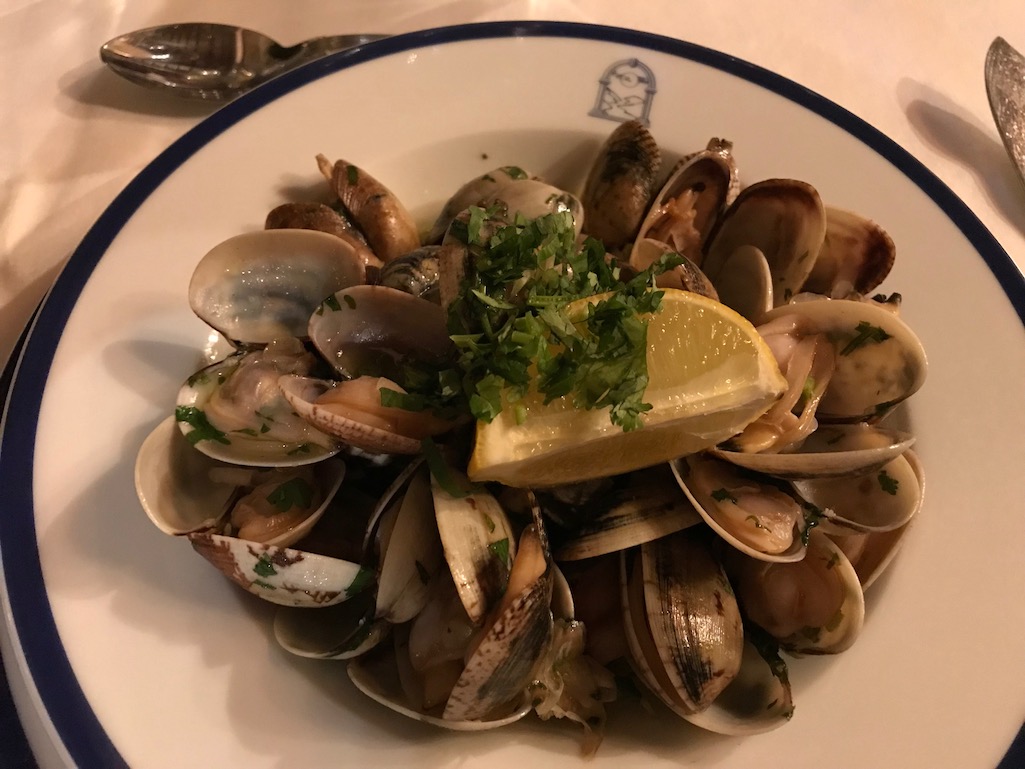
470,606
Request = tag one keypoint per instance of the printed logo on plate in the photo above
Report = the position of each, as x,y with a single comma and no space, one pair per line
625,92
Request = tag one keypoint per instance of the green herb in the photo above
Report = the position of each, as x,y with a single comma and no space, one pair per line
808,390
202,430
722,495
363,579
812,517
331,303
200,377
352,174
515,172
865,333
453,485
888,483
264,566
302,448
295,492
500,549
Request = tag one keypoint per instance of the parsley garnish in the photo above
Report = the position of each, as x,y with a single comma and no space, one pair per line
888,483
265,567
202,430
514,336
363,579
500,549
295,492
722,495
866,333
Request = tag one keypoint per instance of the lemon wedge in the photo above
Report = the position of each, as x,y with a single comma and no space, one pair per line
710,374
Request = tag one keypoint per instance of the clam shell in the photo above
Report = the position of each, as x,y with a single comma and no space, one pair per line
474,193
369,330
879,500
744,283
282,575
877,366
184,491
411,554
479,546
780,595
649,508
830,451
263,285
338,632
264,441
856,255
752,534
784,219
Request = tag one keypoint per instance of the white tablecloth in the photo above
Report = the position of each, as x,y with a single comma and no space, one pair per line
72,134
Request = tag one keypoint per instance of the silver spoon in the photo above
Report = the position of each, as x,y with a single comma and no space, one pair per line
212,61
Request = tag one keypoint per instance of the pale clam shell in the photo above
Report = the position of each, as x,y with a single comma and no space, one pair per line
282,575
252,447
367,329
879,500
870,377
263,285
479,546
180,495
711,510
831,451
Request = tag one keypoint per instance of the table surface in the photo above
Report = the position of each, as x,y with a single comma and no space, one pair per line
73,134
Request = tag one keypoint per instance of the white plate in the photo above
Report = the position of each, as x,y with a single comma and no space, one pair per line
143,655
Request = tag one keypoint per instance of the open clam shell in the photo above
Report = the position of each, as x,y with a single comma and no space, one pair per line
337,632
830,451
879,363
649,507
784,219
370,330
857,255
690,202
474,193
879,500
683,626
234,411
263,285
760,517
812,606
282,575
479,546
185,491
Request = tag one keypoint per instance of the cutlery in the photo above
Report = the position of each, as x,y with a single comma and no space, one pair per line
1005,86
212,61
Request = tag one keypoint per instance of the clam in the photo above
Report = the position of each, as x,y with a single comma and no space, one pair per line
690,202
686,276
317,216
830,451
377,211
620,184
474,193
745,283
337,632
759,516
264,285
647,508
375,329
856,256
882,499
879,360
234,410
415,273
784,219
353,414
812,606
212,504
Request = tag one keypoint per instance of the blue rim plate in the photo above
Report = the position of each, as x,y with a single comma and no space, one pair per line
89,553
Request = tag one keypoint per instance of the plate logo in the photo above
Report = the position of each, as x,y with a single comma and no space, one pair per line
625,92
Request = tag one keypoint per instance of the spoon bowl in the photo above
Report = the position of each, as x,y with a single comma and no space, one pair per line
212,61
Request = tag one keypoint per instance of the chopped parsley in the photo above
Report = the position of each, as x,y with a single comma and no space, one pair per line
202,430
363,579
295,492
265,567
865,333
513,334
722,495
888,483
500,549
